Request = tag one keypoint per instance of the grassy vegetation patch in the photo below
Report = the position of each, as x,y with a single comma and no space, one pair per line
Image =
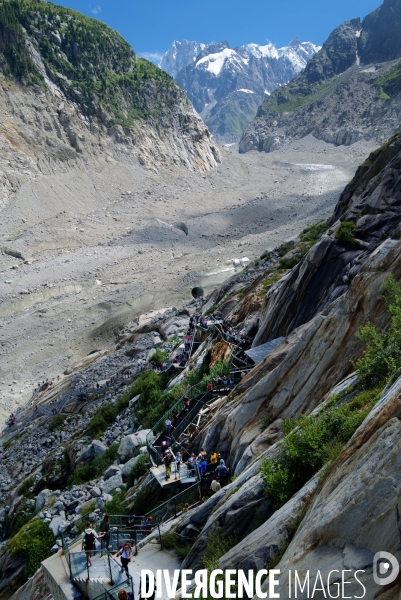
32,543
137,470
102,418
288,262
172,542
344,232
160,356
94,469
313,232
382,355
57,422
389,84
316,441
23,489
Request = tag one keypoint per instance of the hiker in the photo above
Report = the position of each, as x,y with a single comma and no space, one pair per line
105,529
203,467
186,507
187,403
131,521
168,427
147,526
164,447
167,462
174,415
89,538
125,554
221,471
124,595
191,463
178,460
210,386
231,382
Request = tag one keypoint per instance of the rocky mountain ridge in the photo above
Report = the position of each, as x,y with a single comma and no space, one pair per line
227,85
86,95
347,92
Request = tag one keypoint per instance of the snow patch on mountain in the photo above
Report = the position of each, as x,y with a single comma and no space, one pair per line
215,62
227,85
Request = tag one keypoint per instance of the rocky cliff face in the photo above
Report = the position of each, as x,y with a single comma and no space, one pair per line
348,91
227,85
73,90
319,306
349,511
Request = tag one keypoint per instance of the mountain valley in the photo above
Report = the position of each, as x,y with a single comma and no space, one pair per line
199,339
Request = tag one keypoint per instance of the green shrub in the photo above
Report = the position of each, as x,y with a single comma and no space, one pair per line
289,262
56,422
218,544
23,489
32,543
313,232
95,468
170,541
102,418
117,505
159,356
382,355
266,255
211,310
316,441
344,232
137,470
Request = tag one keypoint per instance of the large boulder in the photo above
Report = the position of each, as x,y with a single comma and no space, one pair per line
95,449
128,466
131,442
111,472
57,524
111,484
42,499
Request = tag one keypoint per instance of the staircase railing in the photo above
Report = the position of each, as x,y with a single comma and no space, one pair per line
191,393
174,505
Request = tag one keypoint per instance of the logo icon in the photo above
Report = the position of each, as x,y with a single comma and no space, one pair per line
385,568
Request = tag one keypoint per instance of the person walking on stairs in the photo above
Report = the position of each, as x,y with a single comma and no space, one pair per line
167,462
89,538
125,554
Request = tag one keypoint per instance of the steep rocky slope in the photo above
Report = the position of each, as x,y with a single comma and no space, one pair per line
348,511
226,85
83,94
319,306
348,91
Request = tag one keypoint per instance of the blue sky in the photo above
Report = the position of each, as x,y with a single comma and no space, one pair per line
150,26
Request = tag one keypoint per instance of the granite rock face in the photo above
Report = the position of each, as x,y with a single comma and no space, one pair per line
349,90
355,513
318,306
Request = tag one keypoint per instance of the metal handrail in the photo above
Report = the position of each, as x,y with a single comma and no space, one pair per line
165,511
191,393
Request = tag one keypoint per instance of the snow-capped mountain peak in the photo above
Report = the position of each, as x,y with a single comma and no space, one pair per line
180,55
214,63
227,85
